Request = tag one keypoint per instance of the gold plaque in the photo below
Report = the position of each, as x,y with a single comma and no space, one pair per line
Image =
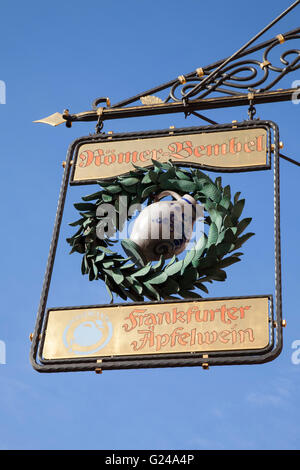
233,149
234,324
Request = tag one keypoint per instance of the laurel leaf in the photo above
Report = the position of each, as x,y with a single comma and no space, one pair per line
188,259
212,235
92,197
130,181
170,287
84,206
187,294
107,197
174,268
182,175
238,209
182,185
153,291
149,190
114,189
201,286
212,192
77,222
241,240
242,225
158,278
143,271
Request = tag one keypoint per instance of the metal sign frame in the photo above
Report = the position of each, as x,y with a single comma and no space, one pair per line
192,360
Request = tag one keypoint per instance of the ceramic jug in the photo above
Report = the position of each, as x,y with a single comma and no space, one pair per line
164,227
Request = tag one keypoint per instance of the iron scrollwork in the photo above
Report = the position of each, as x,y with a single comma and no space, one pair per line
246,73
250,74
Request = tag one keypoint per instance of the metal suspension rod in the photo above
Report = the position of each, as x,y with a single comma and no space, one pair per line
232,57
288,159
179,107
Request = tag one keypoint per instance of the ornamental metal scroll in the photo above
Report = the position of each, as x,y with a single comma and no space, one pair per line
257,74
213,86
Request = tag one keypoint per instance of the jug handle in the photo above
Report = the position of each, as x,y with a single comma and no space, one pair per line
167,193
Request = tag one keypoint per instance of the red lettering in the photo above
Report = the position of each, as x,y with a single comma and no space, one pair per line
89,158
161,341
98,157
177,147
193,337
133,319
161,316
222,336
242,334
174,335
224,149
189,314
260,143
234,336
223,312
150,319
209,150
148,337
216,149
142,156
232,146
198,313
242,310
197,152
109,159
247,147
154,154
178,316
231,314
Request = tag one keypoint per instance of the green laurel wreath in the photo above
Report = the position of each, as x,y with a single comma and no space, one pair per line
205,263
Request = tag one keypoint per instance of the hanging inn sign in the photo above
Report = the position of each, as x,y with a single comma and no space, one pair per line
164,332
166,318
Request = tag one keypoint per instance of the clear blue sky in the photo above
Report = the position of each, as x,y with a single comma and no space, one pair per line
57,55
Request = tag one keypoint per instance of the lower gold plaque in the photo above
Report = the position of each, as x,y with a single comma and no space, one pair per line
235,324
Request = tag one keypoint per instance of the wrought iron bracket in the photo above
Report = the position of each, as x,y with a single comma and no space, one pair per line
210,87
